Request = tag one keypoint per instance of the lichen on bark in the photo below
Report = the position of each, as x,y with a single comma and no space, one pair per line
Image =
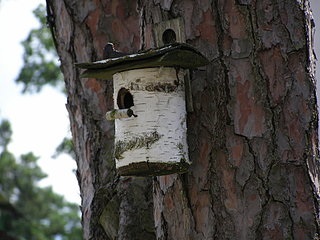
144,140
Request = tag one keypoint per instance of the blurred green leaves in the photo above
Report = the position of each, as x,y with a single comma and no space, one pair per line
66,146
28,211
40,60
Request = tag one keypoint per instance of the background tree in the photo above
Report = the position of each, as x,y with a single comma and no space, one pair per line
28,211
252,138
40,65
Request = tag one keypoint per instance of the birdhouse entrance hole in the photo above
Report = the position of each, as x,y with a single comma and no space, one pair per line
124,99
169,36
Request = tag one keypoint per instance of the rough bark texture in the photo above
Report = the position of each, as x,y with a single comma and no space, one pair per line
111,206
252,136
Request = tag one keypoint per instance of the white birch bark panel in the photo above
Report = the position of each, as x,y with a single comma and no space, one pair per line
158,133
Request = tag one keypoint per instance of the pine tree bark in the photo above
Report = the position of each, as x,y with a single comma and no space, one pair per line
252,137
112,207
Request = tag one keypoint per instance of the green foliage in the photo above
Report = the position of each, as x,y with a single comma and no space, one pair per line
28,211
66,146
40,58
41,68
5,133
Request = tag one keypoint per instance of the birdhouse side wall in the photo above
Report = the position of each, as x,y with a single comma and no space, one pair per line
158,133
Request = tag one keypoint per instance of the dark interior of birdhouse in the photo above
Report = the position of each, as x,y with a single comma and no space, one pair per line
169,36
124,99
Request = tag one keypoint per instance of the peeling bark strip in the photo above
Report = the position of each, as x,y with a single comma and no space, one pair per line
252,137
143,141
163,87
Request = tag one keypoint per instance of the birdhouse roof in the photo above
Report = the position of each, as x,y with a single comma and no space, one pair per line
173,55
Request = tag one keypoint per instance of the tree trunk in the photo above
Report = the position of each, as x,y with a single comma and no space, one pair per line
252,136
111,206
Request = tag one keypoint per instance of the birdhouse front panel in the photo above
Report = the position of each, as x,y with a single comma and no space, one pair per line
151,136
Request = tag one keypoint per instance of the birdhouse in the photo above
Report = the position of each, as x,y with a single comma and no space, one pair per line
149,108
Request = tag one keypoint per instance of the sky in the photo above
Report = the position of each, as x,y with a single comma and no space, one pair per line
40,121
